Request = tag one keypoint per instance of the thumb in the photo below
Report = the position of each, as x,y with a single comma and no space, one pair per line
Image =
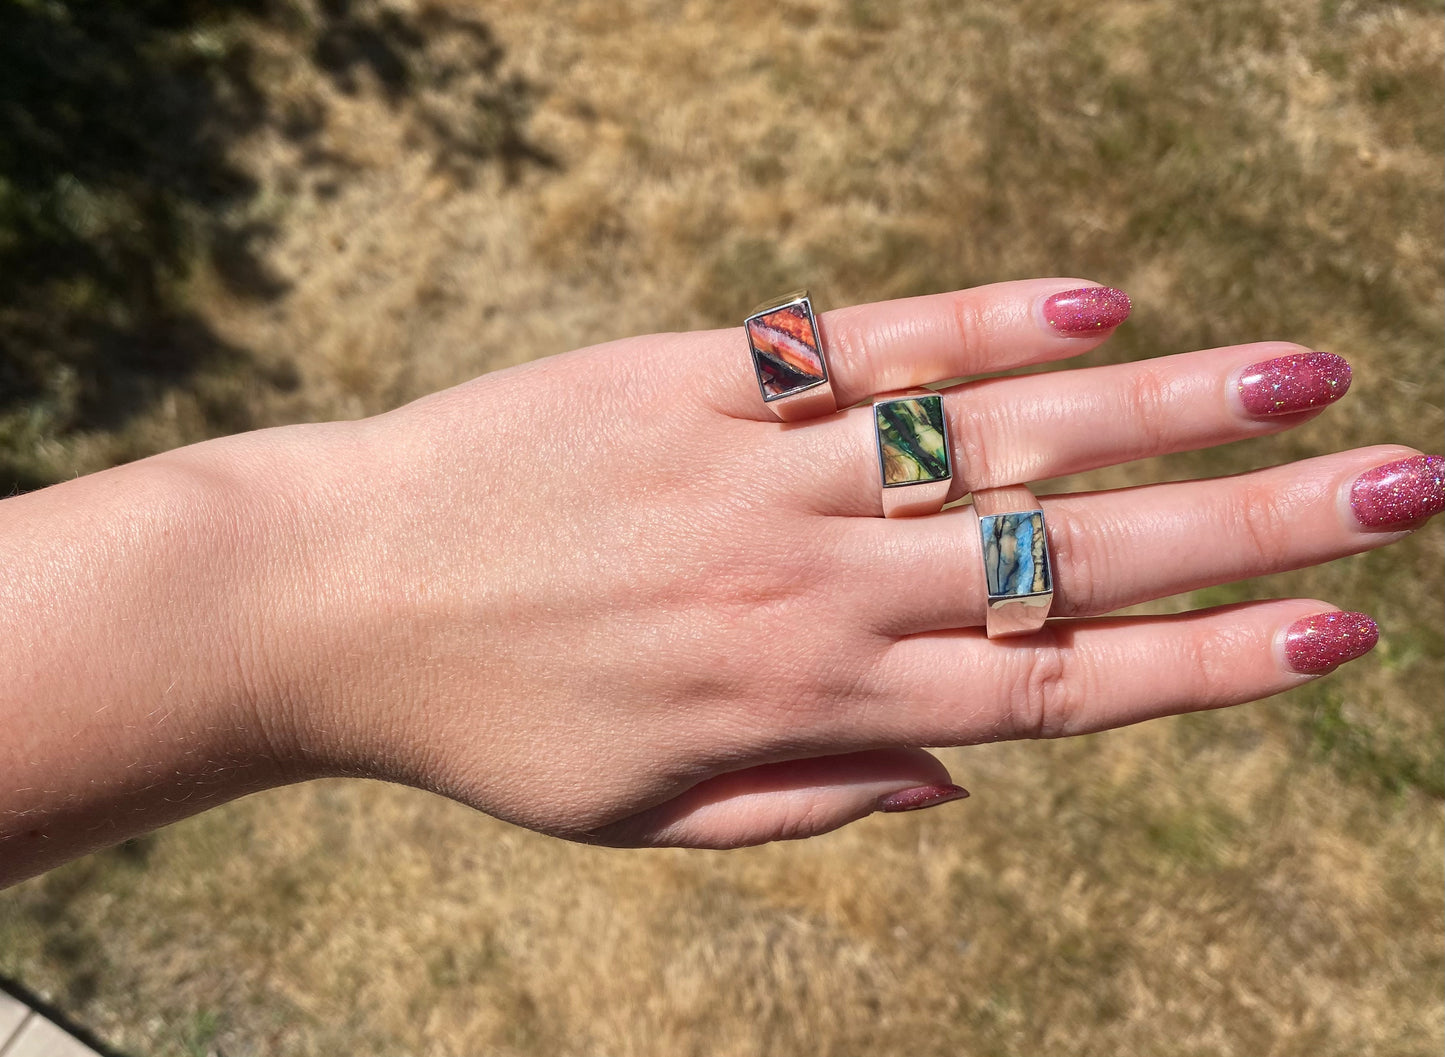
788,800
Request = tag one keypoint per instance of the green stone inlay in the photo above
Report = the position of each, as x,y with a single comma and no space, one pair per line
911,445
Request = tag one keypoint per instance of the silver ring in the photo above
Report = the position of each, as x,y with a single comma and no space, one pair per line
788,358
914,466
1015,560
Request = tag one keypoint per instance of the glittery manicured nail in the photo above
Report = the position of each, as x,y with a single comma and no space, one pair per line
1287,384
921,797
1085,311
1323,642
1399,494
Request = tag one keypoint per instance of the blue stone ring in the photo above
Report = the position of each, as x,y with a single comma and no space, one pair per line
1015,560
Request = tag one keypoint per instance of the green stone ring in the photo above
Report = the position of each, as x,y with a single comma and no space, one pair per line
914,466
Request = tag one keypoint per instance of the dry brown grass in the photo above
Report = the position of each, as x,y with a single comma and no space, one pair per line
1265,881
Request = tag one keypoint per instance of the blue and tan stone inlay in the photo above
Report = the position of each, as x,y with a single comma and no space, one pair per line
786,352
912,448
1015,555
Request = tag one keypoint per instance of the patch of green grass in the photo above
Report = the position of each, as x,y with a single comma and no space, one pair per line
1375,756
199,1032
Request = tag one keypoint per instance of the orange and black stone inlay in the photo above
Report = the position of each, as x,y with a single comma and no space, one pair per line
786,353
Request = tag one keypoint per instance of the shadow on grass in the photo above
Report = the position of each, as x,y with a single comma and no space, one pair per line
118,124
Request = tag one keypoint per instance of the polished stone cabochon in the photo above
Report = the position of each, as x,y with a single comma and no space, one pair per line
785,351
912,448
1015,555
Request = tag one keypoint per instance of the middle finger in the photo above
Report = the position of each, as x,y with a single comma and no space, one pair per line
1007,431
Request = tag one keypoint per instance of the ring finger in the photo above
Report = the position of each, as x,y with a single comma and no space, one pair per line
1115,549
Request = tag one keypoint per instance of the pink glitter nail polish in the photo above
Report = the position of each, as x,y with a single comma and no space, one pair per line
1323,642
921,797
1088,310
1287,384
1399,494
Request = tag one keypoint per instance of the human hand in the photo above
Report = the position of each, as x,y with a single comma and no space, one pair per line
607,597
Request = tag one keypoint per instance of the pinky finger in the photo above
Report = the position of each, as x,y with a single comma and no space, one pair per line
788,800
1080,676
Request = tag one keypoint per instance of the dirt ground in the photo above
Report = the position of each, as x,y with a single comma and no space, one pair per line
336,208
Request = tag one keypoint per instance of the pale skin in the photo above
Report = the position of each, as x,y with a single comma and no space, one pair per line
605,596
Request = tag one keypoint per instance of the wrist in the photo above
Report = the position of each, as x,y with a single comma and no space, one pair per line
306,594
220,540
257,538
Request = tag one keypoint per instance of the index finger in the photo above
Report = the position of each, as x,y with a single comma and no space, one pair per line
915,341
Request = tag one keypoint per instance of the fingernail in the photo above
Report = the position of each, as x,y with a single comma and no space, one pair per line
1325,641
1399,494
921,797
1090,309
1287,384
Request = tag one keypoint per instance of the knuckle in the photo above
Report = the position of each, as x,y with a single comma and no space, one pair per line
1257,518
1209,665
786,692
845,343
970,433
1046,693
823,692
1080,565
1149,408
970,327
